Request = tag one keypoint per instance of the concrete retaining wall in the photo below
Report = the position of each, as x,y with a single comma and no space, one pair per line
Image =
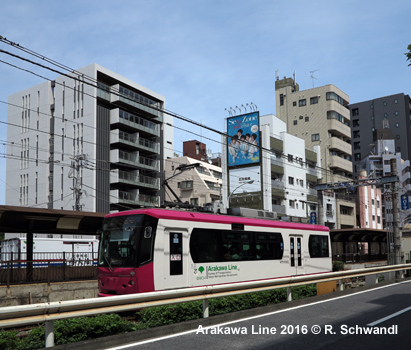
24,294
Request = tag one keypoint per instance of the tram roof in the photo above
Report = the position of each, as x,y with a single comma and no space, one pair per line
170,214
15,219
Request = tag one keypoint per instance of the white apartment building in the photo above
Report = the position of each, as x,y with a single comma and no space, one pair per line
284,181
93,141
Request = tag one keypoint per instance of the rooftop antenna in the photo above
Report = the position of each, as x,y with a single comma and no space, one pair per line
312,75
294,77
277,75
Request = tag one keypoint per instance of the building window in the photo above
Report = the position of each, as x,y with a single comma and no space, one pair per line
290,158
315,137
356,123
295,122
185,184
281,99
302,103
313,100
300,117
290,180
395,101
357,156
397,137
291,203
194,201
397,125
294,103
384,103
335,97
307,119
355,112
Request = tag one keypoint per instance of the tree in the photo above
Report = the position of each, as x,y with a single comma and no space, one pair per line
408,54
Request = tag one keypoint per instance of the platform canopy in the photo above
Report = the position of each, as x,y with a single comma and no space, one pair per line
16,219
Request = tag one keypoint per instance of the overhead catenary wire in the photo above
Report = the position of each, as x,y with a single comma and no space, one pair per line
159,109
156,108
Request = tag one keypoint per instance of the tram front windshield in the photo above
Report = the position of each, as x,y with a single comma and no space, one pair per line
126,241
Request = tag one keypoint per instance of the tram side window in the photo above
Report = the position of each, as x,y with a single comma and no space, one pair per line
318,246
269,246
238,246
207,245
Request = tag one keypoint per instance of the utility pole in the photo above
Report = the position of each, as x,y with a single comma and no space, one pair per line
77,164
396,217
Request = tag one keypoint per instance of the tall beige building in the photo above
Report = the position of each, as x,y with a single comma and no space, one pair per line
321,117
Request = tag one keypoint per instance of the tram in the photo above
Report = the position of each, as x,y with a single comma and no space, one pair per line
147,250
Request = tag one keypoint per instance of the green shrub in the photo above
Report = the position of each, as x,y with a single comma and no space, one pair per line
169,314
338,266
306,291
68,331
8,340
82,328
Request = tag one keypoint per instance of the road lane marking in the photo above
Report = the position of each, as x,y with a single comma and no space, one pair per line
381,320
141,342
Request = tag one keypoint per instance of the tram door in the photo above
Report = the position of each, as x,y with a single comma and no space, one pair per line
176,259
296,255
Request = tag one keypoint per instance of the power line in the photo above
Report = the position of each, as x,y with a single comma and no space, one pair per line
113,91
170,113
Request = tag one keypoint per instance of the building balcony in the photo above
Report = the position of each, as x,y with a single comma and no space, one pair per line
277,184
125,158
133,198
329,213
346,220
133,141
312,192
133,179
134,159
340,163
127,97
279,209
133,123
339,128
340,145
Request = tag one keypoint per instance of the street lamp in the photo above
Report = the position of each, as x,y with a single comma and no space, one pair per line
249,182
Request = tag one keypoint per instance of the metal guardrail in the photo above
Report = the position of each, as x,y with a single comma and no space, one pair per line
15,316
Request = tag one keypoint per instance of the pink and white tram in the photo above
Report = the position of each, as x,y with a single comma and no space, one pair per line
147,250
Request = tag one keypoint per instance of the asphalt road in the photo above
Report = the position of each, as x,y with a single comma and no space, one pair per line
339,323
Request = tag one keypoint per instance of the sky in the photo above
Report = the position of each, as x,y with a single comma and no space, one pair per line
207,56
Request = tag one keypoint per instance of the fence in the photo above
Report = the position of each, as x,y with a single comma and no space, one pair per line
15,316
47,267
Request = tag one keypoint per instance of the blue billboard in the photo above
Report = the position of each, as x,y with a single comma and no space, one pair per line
243,139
